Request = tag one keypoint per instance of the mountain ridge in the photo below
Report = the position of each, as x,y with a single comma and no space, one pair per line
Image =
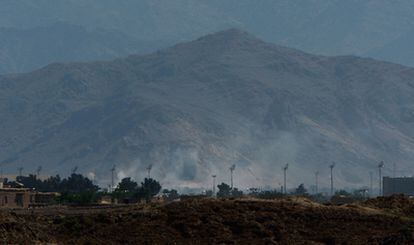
198,107
29,49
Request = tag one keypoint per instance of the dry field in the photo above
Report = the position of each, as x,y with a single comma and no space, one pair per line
217,221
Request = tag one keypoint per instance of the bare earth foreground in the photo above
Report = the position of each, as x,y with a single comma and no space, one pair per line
221,221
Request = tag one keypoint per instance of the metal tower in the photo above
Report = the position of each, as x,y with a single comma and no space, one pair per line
380,166
316,181
214,184
38,171
112,177
20,171
370,184
332,186
285,168
149,171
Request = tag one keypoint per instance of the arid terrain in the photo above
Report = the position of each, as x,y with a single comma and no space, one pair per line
197,107
217,221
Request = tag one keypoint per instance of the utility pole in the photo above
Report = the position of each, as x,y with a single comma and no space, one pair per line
93,176
332,187
380,166
370,183
285,168
20,171
112,177
232,168
394,169
38,171
149,171
316,182
214,184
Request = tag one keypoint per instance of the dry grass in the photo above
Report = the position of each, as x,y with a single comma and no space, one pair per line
218,221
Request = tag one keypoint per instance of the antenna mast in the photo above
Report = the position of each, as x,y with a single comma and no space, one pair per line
394,169
93,176
232,168
214,184
370,184
149,171
112,177
380,166
20,171
38,171
316,181
331,167
285,168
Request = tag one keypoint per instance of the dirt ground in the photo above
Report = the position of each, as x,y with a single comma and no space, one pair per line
217,221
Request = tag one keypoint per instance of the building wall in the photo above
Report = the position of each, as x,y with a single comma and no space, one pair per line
43,198
14,199
403,185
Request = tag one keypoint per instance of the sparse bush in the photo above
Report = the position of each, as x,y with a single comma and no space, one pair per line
301,190
170,195
271,194
236,193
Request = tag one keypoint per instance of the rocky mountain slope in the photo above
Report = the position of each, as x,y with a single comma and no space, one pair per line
195,109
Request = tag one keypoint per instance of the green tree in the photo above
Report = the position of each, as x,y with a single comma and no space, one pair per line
224,190
52,183
149,188
77,183
127,185
30,181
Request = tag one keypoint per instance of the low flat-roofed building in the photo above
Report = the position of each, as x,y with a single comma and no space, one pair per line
15,197
43,198
400,185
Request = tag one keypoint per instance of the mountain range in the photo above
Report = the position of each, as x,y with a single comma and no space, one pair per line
30,49
196,108
379,29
